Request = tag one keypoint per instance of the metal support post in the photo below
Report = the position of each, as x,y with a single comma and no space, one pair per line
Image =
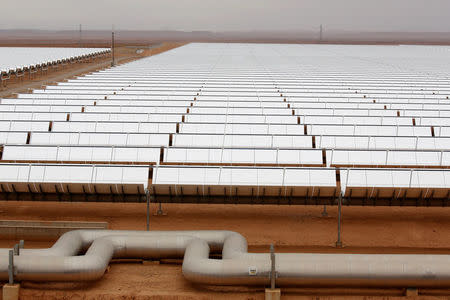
324,211
147,196
113,63
339,241
272,268
160,212
11,267
18,246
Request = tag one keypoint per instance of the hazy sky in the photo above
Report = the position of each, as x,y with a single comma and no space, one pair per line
373,15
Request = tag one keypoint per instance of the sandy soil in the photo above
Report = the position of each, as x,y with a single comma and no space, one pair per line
290,228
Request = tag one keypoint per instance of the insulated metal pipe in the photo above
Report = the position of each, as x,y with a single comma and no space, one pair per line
63,262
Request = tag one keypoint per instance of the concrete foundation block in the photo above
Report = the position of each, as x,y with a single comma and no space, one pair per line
11,291
273,294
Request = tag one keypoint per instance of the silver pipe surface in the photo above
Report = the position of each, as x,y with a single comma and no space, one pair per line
63,262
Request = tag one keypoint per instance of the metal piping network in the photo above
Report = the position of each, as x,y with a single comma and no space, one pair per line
63,262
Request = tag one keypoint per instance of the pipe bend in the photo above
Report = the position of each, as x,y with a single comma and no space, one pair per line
72,242
90,266
68,244
234,270
60,263
234,245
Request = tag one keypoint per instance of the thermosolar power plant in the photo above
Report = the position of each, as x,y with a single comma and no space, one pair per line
326,125
19,58
239,123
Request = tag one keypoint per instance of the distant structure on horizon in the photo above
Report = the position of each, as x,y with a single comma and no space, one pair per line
79,38
320,33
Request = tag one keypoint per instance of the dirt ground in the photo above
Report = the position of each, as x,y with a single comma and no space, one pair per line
290,228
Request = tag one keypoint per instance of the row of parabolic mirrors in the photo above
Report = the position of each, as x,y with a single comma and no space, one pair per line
240,123
16,59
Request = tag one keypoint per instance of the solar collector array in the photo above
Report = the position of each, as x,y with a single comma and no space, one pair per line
215,121
17,58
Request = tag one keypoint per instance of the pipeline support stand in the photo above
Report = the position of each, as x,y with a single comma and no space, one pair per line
160,211
272,293
10,290
324,211
11,267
